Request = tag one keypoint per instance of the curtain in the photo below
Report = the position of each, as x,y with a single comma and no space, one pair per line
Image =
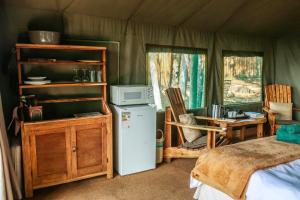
10,188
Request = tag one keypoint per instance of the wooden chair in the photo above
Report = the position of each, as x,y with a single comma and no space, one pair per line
177,108
280,94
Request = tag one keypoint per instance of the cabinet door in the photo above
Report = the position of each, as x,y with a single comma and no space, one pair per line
50,156
89,149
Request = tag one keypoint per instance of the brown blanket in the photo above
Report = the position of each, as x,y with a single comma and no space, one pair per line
229,168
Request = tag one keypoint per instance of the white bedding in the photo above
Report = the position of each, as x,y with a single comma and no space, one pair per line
276,183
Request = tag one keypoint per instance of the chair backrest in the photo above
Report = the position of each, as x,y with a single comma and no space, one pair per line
178,108
278,93
176,102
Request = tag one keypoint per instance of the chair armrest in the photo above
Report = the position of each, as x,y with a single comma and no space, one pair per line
215,119
198,127
266,109
269,111
205,118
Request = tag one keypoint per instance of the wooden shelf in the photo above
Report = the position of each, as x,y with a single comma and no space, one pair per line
70,100
59,47
60,125
63,84
59,63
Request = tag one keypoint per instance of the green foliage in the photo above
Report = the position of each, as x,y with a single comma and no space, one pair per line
186,71
242,77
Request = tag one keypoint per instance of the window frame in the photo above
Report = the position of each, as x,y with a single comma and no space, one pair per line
241,53
173,50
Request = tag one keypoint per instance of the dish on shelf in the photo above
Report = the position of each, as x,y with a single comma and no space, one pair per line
36,78
42,60
42,82
88,61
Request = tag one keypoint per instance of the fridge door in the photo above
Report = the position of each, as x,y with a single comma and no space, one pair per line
138,128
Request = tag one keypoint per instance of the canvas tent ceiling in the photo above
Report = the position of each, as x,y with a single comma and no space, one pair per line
260,17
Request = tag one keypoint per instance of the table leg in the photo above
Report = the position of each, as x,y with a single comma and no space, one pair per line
168,132
242,133
260,130
209,139
228,133
213,140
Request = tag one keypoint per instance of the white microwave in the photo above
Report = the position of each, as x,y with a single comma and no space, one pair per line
131,94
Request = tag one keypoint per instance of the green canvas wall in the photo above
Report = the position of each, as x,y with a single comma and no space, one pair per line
7,86
133,38
287,65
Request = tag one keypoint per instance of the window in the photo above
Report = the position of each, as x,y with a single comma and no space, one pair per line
177,67
242,77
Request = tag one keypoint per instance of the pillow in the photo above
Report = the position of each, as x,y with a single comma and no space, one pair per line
284,110
189,134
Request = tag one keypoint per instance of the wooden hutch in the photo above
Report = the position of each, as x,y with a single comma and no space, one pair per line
64,149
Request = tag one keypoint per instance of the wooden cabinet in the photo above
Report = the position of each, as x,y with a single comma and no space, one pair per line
89,149
65,149
48,146
61,151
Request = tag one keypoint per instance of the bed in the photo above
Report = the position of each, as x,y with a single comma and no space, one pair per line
278,179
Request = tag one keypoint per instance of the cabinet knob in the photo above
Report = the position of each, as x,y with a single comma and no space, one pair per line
74,149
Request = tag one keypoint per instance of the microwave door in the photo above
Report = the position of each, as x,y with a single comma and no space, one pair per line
133,97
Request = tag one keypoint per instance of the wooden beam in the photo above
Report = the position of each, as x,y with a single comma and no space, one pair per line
175,152
168,128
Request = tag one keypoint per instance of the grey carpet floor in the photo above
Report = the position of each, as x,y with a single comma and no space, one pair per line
168,181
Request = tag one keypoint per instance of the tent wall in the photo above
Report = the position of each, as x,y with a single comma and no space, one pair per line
287,65
7,86
133,38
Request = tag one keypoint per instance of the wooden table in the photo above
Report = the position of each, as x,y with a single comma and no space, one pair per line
238,124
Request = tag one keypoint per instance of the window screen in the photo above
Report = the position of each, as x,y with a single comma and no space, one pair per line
242,77
177,67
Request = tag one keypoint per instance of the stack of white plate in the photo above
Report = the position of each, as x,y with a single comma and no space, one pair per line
37,80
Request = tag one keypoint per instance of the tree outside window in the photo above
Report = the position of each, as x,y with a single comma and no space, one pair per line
183,68
242,78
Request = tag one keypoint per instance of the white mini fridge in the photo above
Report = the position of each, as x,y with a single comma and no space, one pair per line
134,138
